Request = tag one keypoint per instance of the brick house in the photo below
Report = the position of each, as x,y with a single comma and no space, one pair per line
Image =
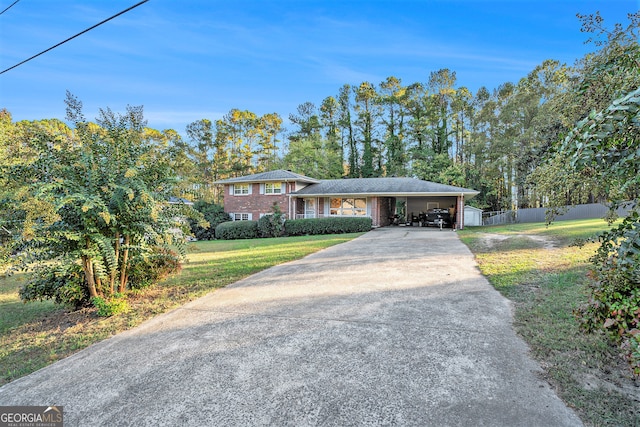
382,199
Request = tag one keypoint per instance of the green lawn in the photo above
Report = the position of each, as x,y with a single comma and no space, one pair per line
34,335
544,275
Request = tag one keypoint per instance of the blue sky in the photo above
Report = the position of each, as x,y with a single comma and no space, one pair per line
193,59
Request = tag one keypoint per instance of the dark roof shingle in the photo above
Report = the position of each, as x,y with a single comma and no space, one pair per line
382,186
277,175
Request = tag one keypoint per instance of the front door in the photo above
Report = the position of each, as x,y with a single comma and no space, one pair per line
309,208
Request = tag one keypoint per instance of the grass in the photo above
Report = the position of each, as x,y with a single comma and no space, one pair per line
37,334
545,276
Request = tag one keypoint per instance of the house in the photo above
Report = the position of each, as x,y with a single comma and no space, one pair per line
298,196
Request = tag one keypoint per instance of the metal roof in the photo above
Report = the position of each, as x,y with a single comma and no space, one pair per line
271,176
383,187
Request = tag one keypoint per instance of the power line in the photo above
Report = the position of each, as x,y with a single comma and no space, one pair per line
9,7
73,37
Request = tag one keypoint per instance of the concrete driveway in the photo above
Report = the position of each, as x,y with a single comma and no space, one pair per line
397,327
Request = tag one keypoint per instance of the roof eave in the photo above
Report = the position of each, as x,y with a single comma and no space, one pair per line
466,194
252,181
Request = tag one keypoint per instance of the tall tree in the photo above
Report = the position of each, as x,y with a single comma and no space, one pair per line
330,119
238,131
346,130
306,120
201,151
442,85
420,111
392,99
314,156
368,113
269,126
461,110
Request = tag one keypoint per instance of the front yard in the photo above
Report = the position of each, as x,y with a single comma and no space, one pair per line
37,334
537,268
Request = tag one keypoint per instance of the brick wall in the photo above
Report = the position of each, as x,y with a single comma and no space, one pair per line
254,203
387,207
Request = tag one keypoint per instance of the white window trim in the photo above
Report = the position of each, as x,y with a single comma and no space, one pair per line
240,186
274,186
244,216
366,209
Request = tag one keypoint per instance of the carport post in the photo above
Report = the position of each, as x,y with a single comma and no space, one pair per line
460,212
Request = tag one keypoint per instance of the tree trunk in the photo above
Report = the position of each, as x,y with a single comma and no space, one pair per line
87,267
112,279
123,268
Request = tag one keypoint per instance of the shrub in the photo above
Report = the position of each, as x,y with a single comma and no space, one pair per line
333,225
237,230
109,307
271,225
614,303
146,269
61,282
214,214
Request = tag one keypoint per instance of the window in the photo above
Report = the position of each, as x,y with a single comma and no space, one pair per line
348,207
273,188
240,189
241,217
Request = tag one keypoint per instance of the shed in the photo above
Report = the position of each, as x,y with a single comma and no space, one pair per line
472,216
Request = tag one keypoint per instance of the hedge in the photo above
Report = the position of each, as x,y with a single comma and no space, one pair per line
333,225
270,226
237,230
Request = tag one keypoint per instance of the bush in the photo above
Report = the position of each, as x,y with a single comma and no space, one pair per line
149,268
237,230
271,225
333,225
214,214
62,282
107,308
614,303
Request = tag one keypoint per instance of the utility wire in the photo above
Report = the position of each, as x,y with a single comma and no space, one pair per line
9,7
73,37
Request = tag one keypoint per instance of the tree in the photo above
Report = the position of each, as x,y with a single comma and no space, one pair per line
368,112
606,146
106,200
440,168
330,119
238,131
461,112
421,112
307,121
392,99
203,152
269,126
441,84
346,131
315,157
214,214
611,71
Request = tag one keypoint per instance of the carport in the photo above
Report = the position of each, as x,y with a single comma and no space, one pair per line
379,199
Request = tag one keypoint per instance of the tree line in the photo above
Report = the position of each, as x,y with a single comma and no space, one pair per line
496,141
